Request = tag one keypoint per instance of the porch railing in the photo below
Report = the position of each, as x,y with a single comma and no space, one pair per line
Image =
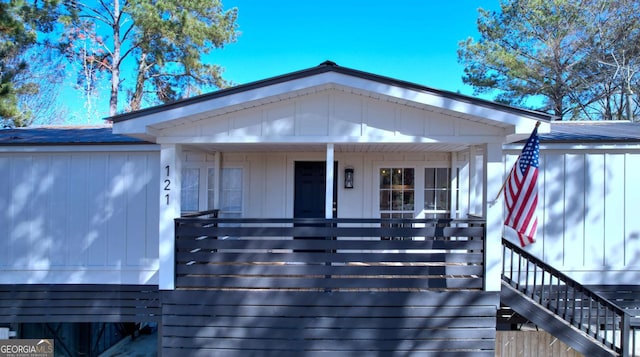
576,304
329,254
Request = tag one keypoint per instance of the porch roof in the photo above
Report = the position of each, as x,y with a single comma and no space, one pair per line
510,122
329,66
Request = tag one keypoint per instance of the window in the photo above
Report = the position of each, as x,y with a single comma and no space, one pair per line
231,192
199,190
397,194
437,192
190,190
211,189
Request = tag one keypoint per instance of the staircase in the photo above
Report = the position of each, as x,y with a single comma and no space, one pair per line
575,314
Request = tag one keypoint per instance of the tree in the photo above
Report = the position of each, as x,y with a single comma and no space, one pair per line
615,55
550,53
19,23
162,41
86,53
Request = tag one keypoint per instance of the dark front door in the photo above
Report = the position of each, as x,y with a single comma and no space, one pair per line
309,194
309,190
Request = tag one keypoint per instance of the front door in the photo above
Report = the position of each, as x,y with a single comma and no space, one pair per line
309,194
309,191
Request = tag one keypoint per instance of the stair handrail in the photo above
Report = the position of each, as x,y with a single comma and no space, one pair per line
574,295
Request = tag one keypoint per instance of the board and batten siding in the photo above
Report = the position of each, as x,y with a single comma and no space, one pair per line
331,115
268,187
79,216
588,223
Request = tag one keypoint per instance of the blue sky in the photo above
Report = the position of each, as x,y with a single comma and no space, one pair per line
411,40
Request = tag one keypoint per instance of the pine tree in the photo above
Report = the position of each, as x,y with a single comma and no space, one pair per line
162,41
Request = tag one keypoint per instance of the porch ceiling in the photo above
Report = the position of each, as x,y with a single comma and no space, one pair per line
340,148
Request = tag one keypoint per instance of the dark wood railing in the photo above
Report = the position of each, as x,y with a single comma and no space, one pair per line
573,302
329,254
212,213
300,287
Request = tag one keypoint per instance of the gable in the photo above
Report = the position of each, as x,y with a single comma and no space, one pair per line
330,103
333,115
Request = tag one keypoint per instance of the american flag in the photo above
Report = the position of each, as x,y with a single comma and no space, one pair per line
521,191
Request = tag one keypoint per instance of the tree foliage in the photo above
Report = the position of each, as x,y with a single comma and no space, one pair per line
573,59
20,22
160,44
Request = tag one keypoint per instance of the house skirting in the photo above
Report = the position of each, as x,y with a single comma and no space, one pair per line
288,323
44,303
278,323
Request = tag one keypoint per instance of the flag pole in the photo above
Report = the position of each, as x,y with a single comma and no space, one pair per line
505,180
510,172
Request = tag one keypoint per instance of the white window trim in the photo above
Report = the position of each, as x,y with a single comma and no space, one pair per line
245,186
182,192
203,181
419,211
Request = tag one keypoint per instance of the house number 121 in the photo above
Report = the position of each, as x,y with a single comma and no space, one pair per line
167,184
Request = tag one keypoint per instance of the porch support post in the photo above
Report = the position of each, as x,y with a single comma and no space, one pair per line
328,205
475,188
216,181
170,185
493,175
464,180
455,209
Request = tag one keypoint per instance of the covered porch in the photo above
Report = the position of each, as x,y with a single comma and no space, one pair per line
388,190
352,276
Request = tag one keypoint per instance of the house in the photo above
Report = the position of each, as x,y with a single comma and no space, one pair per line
184,214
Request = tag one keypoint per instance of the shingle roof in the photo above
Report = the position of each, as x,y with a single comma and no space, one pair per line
568,132
592,131
68,135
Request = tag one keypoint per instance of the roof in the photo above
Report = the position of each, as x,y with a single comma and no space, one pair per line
64,135
592,131
561,131
325,67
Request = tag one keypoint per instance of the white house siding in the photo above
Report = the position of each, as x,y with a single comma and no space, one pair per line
74,215
588,222
268,178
